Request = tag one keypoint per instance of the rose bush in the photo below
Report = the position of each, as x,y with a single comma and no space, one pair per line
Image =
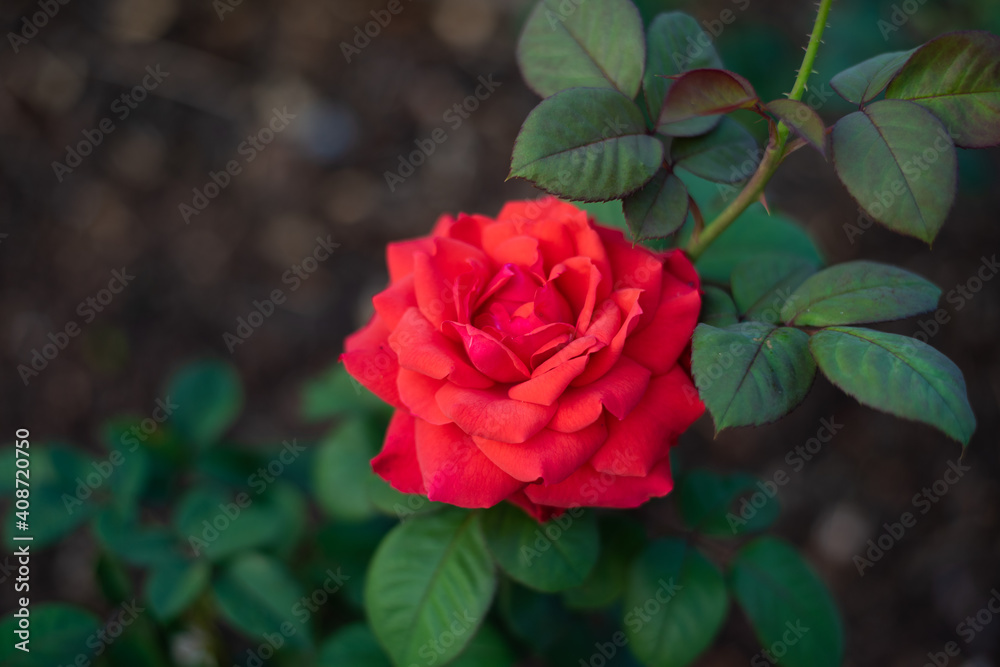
536,358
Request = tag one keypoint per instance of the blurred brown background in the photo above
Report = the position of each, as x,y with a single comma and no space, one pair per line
224,70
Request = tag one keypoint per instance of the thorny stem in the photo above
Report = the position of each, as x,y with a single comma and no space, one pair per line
775,153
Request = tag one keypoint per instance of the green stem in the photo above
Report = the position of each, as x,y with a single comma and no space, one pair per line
774,154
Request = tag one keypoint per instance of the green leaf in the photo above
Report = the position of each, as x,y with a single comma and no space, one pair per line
720,504
898,375
391,502
899,164
864,81
342,471
257,595
487,649
548,557
785,601
957,77
621,540
351,546
130,478
174,585
859,292
583,45
113,579
717,308
752,373
803,120
754,232
336,394
725,155
586,144
427,574
670,39
216,524
763,284
352,645
58,634
135,544
658,209
210,397
704,92
683,596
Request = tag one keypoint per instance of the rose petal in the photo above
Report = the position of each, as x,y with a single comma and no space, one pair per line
489,355
397,462
588,487
577,279
417,392
488,413
635,267
627,301
540,513
423,349
520,251
619,390
456,472
637,443
545,389
548,456
370,360
399,256
393,302
660,343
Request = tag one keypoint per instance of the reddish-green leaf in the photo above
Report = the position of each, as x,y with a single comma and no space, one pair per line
763,283
803,119
704,92
898,375
790,609
583,44
957,77
899,164
676,43
751,373
727,154
859,292
587,144
866,80
658,209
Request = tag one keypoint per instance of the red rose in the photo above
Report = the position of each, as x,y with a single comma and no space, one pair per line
534,358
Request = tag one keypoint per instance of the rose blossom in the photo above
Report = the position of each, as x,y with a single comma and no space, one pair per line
535,358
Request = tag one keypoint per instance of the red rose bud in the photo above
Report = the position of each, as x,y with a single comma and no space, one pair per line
534,358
